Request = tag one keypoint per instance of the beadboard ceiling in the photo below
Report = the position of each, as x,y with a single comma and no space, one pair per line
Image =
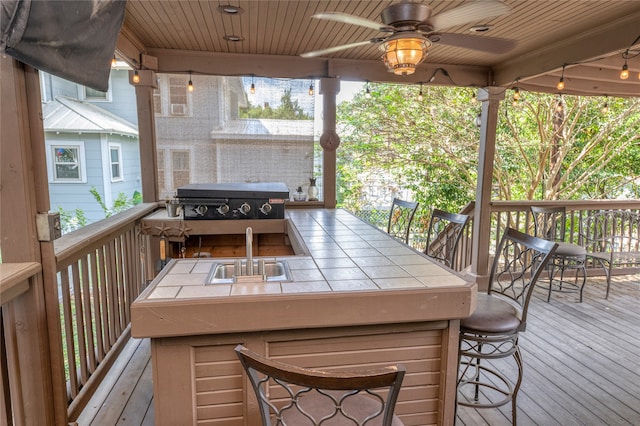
588,37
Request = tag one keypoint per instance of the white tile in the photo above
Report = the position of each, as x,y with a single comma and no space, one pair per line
213,290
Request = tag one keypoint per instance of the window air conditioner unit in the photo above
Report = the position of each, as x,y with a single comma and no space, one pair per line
178,109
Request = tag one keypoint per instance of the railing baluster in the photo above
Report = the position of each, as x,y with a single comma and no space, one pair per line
97,306
80,326
68,333
112,291
88,309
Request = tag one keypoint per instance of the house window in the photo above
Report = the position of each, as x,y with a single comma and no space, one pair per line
178,96
66,161
115,159
160,168
95,95
157,101
180,162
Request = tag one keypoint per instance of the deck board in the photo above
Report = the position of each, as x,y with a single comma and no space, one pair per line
580,362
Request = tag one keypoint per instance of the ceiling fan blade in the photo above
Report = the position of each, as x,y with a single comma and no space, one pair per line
345,18
472,12
333,49
474,42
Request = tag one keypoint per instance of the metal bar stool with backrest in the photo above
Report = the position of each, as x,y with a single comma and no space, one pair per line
492,331
550,223
295,396
400,218
443,236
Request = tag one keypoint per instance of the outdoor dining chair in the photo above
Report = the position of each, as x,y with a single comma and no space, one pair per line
550,223
443,236
291,395
400,218
492,331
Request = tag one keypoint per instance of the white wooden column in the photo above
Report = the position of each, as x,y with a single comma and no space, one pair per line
329,88
490,98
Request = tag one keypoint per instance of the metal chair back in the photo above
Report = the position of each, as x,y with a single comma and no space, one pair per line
292,395
400,218
443,236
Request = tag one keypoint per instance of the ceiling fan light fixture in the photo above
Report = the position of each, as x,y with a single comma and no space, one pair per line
403,52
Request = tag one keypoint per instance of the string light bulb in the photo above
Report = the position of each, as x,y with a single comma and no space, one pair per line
560,85
136,77
190,85
420,97
311,89
474,99
605,106
516,94
560,104
624,72
367,92
253,87
114,62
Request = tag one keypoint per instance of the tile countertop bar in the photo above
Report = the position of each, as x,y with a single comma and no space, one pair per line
355,275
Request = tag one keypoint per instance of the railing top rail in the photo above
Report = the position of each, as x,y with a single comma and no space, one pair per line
14,279
503,206
78,241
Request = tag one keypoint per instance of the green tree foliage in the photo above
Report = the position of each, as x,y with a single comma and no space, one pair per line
428,146
289,109
431,147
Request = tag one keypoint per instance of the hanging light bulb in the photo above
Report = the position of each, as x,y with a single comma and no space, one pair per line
253,87
190,85
420,97
367,92
560,85
311,89
624,72
114,62
136,77
605,107
560,104
474,99
516,94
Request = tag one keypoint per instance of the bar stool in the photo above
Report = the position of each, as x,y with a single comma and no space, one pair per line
492,331
550,223
291,395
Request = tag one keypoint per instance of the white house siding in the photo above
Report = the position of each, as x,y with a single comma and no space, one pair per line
112,121
71,196
265,161
123,97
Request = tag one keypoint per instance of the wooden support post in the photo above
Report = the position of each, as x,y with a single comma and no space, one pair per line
490,98
24,319
329,88
147,133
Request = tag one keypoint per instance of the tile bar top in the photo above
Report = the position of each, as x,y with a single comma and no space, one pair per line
349,260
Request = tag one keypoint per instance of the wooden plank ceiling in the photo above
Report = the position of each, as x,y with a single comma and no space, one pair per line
587,37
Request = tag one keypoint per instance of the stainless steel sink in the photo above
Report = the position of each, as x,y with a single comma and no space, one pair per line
231,272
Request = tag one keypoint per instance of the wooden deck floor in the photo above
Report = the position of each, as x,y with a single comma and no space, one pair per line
582,366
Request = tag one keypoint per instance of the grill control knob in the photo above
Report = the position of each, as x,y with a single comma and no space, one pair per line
201,210
266,208
245,208
223,209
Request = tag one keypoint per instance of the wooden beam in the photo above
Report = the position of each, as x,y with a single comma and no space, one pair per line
276,66
612,36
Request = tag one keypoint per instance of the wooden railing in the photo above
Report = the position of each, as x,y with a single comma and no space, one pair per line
517,214
100,272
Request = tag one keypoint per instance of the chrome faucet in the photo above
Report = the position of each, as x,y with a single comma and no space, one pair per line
249,237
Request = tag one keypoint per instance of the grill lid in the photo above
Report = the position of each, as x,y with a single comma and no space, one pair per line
260,190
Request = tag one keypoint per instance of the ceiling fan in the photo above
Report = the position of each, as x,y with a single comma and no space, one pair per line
411,30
